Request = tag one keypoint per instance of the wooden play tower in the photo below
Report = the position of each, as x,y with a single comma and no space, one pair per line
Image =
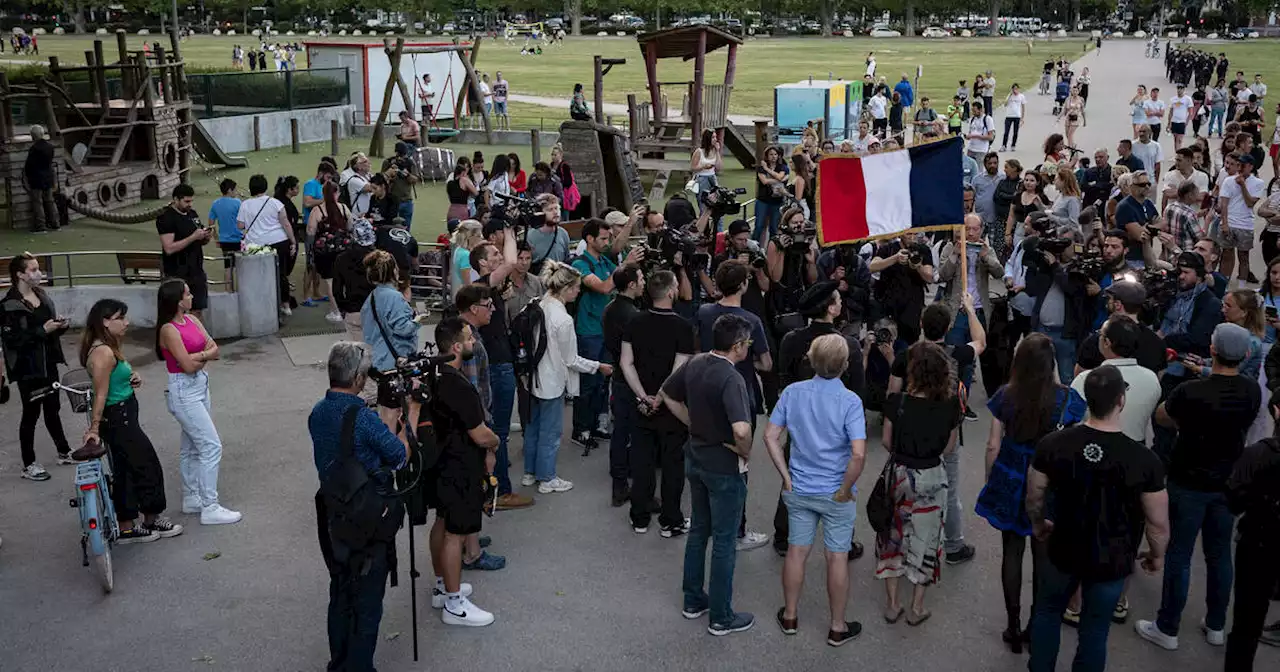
127,139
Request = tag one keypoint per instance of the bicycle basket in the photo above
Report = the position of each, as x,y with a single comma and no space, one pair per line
78,379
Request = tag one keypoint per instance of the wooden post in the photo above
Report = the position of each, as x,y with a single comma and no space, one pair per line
144,74
178,78
655,90
100,75
535,144
90,62
400,84
699,80
465,89
376,143
293,135
6,113
54,131
166,77
475,91
633,119
598,88
964,259
122,51
257,135
55,74
762,140
333,137
730,69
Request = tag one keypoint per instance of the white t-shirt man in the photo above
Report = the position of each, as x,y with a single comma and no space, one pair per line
1013,105
980,126
1174,179
1259,89
1154,110
1180,109
1150,154
486,94
859,144
356,194
259,218
1242,96
1239,214
876,106
1140,400
989,87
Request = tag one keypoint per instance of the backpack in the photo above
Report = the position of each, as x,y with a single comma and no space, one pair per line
528,334
357,515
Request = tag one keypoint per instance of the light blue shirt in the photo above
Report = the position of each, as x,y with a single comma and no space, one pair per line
971,170
397,318
822,418
224,211
984,195
314,189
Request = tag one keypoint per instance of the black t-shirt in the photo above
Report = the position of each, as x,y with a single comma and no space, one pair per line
455,409
1096,481
764,193
901,285
662,334
497,341
1213,416
961,354
716,397
295,220
188,262
793,358
617,315
921,428
753,298
1133,163
397,241
1151,351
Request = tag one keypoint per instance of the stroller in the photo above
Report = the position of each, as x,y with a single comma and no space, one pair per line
1060,96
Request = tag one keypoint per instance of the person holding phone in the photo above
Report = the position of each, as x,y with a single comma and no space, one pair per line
30,328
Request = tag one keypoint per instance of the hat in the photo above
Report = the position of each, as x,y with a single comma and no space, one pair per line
1192,261
814,297
1128,292
616,218
738,226
363,233
1231,342
1244,157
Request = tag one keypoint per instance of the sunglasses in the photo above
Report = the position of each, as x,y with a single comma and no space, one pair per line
1141,184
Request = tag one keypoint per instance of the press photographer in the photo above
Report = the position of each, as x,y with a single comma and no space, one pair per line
738,245
843,265
906,269
549,241
457,483
354,455
1189,320
1113,269
791,259
1063,308
402,174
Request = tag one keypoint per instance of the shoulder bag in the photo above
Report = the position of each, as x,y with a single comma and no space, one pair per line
881,502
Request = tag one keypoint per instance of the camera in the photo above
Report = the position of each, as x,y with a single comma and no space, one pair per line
517,213
801,235
413,377
882,336
661,248
1161,286
1089,266
724,201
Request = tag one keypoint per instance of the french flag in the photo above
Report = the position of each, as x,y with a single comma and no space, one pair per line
861,197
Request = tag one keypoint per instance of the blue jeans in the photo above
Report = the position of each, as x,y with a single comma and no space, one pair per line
1099,599
1193,513
959,335
767,215
200,451
1064,351
355,611
406,213
502,392
625,414
593,394
1215,117
717,500
542,437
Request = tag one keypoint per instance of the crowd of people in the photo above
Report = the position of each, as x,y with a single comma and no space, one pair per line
284,56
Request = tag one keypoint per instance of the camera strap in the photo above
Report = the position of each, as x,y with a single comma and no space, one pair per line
373,303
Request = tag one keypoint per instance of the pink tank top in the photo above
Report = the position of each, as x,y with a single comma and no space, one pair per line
192,340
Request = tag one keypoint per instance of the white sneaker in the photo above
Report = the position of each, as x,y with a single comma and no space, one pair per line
556,484
191,505
286,311
1149,631
333,317
527,480
216,514
752,540
437,595
1214,637
466,614
35,472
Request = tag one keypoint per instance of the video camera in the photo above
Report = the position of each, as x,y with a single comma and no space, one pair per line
1088,266
1161,286
724,201
661,248
518,213
801,235
413,377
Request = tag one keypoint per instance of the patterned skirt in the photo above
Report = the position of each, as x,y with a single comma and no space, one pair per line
913,545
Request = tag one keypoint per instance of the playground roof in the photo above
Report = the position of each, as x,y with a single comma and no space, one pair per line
682,41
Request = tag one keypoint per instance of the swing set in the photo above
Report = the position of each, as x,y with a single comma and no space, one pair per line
466,55
431,122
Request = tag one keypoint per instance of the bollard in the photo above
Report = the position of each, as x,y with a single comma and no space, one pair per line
293,136
333,137
256,292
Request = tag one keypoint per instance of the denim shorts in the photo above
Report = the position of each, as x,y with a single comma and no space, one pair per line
804,512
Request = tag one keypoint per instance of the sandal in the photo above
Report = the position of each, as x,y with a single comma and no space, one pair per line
920,618
897,616
487,562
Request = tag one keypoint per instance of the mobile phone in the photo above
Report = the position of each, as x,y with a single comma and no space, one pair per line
1270,311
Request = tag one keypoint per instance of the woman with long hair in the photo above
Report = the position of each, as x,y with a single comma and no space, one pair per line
1028,200
1082,83
479,175
519,181
802,183
1073,114
468,234
461,190
919,426
706,162
1056,156
1066,210
31,328
285,191
578,110
186,348
388,326
1243,307
137,484
771,178
329,225
556,376
562,170
1032,404
1138,113
499,181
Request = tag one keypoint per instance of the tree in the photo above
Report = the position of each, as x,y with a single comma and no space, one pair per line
76,9
573,11
995,16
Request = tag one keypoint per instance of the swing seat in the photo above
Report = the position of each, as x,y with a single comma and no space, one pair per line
441,134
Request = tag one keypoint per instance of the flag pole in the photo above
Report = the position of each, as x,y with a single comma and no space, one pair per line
964,262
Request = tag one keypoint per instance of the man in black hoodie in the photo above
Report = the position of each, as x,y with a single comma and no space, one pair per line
1254,491
39,174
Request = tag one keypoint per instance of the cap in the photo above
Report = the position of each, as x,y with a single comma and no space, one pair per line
738,226
616,218
815,296
1231,342
1128,292
1192,261
1245,158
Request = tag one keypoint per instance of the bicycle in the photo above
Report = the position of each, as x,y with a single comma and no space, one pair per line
98,524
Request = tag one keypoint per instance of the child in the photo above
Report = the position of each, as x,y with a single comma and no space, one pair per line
955,113
962,94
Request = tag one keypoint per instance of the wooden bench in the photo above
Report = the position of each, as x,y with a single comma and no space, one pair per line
46,265
140,267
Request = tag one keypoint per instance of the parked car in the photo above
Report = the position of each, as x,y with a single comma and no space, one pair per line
934,31
885,32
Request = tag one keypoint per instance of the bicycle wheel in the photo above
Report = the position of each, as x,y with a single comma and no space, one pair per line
103,568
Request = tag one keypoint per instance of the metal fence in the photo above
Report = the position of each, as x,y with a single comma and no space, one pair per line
228,94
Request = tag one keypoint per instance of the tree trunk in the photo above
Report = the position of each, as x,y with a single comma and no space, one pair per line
1075,16
995,17
573,8
826,18
77,18
910,22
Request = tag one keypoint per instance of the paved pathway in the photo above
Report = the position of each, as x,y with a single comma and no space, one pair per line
580,591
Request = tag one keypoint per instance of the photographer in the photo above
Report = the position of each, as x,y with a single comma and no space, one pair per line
401,174
792,264
1189,319
389,326
740,246
466,455
846,267
673,242
983,264
1063,300
1114,269
906,269
357,575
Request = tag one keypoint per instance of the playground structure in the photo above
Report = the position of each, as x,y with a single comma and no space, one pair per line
110,152
655,130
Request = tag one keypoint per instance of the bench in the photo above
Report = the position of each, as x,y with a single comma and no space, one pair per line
140,267
46,265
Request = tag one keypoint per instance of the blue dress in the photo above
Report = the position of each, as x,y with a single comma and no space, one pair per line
1003,499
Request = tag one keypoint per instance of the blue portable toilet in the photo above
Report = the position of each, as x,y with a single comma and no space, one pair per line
796,104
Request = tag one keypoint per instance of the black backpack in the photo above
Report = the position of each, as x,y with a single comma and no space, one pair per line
528,338
357,515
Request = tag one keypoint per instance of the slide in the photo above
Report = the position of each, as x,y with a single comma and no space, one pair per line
209,149
737,144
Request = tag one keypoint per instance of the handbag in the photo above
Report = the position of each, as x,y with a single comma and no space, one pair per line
881,502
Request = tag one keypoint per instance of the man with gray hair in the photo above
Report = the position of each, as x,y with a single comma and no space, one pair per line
357,576
41,179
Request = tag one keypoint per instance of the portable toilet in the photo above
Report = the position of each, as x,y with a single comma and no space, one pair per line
835,101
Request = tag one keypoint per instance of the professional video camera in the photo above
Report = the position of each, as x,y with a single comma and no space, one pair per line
662,246
1088,266
517,212
414,376
724,201
1033,246
1161,286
